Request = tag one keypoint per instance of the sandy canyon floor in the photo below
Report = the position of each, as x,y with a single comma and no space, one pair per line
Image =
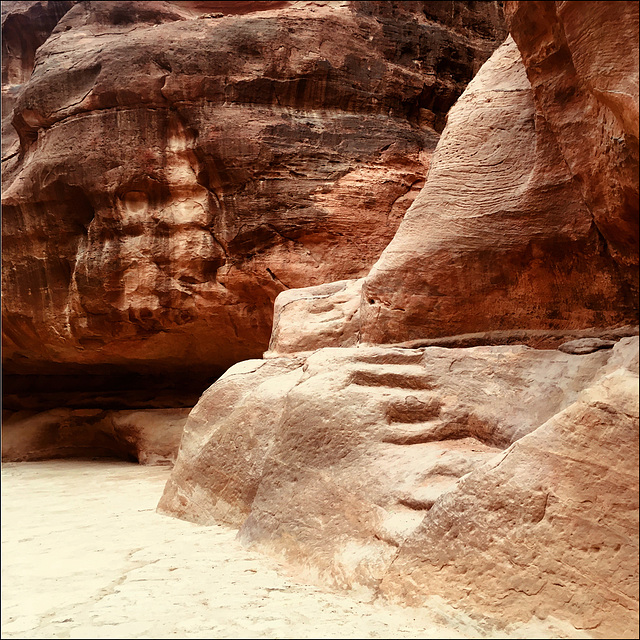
85,555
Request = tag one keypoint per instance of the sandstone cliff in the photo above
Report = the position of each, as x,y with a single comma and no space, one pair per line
180,164
529,216
501,478
170,167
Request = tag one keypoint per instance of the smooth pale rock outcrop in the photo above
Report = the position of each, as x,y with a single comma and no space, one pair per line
180,164
550,527
312,317
414,472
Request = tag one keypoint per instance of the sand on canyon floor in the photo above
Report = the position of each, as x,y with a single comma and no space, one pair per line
85,555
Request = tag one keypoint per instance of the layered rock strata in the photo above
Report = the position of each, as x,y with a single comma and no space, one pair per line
170,167
180,164
25,27
502,236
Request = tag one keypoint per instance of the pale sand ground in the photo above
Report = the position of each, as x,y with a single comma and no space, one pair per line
85,555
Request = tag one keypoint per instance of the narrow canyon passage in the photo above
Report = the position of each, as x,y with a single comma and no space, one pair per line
87,556
320,319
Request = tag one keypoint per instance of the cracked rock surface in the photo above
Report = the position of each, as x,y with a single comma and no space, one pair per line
90,558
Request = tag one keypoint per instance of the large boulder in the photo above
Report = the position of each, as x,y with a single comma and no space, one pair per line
490,476
549,528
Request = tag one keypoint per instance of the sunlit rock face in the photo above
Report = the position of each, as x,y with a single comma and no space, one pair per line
177,165
489,476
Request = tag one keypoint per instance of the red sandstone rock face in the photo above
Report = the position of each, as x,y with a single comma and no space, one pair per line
180,165
25,27
501,236
582,61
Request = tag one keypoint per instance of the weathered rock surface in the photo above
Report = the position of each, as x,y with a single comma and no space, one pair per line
501,236
551,525
329,315
583,64
170,167
501,240
177,165
25,27
502,478
484,475
313,317
177,168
